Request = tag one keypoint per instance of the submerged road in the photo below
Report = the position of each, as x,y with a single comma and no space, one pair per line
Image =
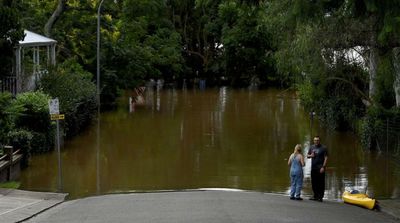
206,206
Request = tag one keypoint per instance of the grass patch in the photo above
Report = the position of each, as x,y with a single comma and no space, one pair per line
10,184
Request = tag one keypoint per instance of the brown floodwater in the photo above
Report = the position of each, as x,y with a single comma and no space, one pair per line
216,138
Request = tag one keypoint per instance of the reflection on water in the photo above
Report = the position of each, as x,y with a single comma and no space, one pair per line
185,139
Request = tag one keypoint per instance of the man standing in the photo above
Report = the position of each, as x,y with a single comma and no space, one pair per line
319,157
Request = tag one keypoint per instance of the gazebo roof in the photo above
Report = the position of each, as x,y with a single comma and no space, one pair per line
34,39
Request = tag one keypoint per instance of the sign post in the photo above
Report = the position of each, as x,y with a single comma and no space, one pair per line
55,115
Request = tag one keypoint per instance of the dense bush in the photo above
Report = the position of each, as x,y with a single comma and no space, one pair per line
8,113
379,129
76,92
35,105
36,119
335,95
109,90
336,111
25,123
21,139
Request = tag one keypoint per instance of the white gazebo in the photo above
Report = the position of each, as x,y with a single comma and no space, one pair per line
28,71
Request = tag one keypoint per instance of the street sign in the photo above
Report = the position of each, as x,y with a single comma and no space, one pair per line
54,106
57,116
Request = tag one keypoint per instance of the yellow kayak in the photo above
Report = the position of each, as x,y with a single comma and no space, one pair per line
358,199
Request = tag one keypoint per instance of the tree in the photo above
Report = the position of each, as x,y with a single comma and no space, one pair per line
373,25
11,32
61,6
148,47
320,36
247,46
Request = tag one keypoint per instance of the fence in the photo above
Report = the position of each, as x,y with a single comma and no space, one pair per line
10,164
388,136
9,84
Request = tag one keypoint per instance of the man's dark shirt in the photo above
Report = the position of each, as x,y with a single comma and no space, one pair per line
320,152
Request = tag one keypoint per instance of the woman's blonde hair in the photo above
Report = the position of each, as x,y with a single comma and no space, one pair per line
297,148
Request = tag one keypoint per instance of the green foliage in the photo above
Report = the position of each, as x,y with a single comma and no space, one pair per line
313,40
280,42
75,91
10,33
35,105
111,88
388,16
246,43
307,94
385,95
76,34
201,30
9,112
134,66
22,139
335,98
299,57
34,14
378,127
43,141
150,48
25,123
10,184
36,120
73,32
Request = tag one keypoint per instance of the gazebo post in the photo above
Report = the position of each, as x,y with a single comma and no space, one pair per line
18,69
37,58
48,55
34,60
53,54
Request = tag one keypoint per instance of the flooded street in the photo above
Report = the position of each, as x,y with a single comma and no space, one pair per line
216,138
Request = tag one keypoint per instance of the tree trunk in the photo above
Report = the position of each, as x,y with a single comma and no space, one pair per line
56,14
373,69
396,65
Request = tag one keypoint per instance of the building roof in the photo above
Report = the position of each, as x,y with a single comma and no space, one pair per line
34,39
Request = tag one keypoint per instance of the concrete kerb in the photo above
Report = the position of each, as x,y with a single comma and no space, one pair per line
205,205
19,205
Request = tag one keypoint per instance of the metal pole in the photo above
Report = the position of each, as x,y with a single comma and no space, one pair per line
98,156
311,126
387,155
59,158
98,52
387,136
98,102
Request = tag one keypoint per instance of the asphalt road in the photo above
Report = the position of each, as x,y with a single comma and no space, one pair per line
206,207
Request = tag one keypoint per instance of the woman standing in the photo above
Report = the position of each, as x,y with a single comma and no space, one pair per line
296,163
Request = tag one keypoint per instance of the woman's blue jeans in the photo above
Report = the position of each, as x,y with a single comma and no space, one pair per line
296,183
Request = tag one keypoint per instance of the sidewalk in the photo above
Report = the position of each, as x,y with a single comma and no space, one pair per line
199,206
391,207
185,206
18,205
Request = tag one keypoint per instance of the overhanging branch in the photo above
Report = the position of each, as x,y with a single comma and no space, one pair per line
365,99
